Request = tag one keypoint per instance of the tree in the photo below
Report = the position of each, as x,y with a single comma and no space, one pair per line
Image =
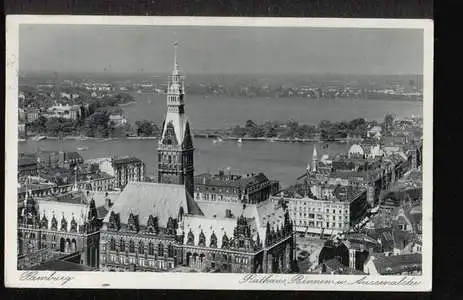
53,126
325,124
238,131
146,128
39,125
269,131
388,123
98,124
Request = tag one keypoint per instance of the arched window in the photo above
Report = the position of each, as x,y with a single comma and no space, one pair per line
131,246
202,239
160,249
150,249
170,250
213,243
225,242
190,238
141,247
122,245
113,244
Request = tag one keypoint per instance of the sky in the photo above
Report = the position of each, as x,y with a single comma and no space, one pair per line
220,50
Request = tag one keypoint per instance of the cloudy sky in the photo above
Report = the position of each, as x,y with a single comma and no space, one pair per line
220,50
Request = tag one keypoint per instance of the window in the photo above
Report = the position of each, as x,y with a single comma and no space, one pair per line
142,262
131,246
141,247
160,249
334,218
170,250
150,249
122,245
113,244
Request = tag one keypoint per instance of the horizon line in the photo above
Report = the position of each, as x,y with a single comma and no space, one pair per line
217,73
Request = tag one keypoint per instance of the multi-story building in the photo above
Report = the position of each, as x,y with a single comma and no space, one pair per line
250,188
330,215
27,167
53,159
31,115
71,112
127,169
50,229
160,227
177,232
117,120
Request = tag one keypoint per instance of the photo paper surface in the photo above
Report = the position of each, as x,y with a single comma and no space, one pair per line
219,153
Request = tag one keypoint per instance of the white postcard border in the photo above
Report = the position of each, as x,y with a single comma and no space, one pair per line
51,279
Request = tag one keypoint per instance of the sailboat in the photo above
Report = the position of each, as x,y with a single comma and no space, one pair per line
240,141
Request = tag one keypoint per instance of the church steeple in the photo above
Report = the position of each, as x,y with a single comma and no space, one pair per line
314,158
175,151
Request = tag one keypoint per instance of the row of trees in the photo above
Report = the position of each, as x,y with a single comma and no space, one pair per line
94,120
292,129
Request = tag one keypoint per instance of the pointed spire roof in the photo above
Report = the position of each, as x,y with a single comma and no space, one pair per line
176,70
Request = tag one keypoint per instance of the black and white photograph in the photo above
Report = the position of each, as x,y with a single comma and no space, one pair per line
258,153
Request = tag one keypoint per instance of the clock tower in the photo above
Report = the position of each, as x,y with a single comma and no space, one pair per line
175,150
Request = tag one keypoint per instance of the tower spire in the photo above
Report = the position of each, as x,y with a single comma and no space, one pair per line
175,54
314,158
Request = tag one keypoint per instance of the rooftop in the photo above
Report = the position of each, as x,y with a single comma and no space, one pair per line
231,180
61,265
396,264
126,160
160,200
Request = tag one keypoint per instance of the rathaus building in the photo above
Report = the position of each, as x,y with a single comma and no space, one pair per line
160,227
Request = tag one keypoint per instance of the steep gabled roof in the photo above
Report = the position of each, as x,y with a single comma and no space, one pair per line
146,198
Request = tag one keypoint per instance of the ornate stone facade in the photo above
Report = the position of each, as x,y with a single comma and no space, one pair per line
175,150
46,236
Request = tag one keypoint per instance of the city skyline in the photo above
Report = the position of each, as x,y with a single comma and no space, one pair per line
127,164
222,50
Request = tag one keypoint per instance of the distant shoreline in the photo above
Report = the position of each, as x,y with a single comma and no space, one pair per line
243,139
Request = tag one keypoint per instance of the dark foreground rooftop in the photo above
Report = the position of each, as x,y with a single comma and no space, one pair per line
61,265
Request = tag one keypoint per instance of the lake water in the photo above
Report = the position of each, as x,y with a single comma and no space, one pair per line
224,112
282,161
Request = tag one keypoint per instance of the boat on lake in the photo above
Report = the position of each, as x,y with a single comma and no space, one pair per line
240,141
82,148
38,138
